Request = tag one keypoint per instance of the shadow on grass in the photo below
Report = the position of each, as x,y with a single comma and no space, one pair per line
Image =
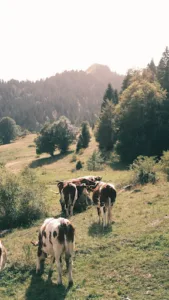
48,160
119,166
97,229
38,289
41,289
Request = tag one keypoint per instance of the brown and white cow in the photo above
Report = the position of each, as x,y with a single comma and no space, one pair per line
104,196
88,180
69,194
56,236
3,256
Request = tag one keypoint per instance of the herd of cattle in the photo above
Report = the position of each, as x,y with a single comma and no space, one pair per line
57,235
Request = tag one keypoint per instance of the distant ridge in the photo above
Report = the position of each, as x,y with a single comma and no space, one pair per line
105,75
75,94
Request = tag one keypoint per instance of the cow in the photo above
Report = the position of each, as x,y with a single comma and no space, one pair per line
3,256
104,196
88,180
56,236
69,194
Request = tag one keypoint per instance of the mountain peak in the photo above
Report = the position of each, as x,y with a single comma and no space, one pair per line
97,68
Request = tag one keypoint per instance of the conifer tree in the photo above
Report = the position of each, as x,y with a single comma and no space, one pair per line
106,129
84,137
110,95
163,70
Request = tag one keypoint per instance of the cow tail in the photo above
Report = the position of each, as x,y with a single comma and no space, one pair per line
3,258
69,239
0,258
76,195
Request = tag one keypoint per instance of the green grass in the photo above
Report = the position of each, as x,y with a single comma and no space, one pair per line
128,259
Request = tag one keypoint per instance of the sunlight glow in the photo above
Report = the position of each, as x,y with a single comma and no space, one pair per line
40,38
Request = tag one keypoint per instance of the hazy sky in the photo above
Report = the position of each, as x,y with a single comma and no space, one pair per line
39,38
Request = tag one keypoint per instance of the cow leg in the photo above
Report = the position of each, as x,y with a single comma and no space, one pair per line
51,266
58,252
40,254
104,216
109,214
71,210
67,211
40,258
68,259
99,214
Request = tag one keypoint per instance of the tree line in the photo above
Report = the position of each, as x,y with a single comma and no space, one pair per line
137,121
74,94
132,122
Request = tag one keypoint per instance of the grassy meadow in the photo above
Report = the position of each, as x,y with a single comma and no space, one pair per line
128,260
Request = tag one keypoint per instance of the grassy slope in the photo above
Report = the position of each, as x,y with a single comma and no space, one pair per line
129,259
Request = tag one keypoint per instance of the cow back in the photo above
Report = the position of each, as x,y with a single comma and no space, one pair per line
107,191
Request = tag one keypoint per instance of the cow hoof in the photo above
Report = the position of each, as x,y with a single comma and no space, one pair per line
59,283
70,283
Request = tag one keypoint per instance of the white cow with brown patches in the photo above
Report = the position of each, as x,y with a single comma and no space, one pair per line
3,256
56,236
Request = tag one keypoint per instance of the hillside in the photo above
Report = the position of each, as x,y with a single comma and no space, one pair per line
75,94
129,260
105,75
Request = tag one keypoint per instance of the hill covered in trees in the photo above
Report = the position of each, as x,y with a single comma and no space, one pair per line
75,94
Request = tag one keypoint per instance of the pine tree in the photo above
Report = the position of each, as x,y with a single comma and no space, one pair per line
110,95
85,134
152,67
163,70
84,137
106,129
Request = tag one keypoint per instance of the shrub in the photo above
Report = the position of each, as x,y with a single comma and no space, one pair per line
165,163
144,170
59,134
79,143
21,198
95,162
81,151
8,130
74,158
79,165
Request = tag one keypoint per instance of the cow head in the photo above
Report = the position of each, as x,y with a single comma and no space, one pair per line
60,185
98,178
82,189
92,186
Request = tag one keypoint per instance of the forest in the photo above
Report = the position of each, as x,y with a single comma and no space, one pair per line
74,94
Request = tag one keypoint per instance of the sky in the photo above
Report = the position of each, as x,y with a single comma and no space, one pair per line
39,38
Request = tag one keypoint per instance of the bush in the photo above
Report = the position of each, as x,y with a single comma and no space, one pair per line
8,130
59,134
95,162
79,165
21,198
144,170
165,163
74,158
